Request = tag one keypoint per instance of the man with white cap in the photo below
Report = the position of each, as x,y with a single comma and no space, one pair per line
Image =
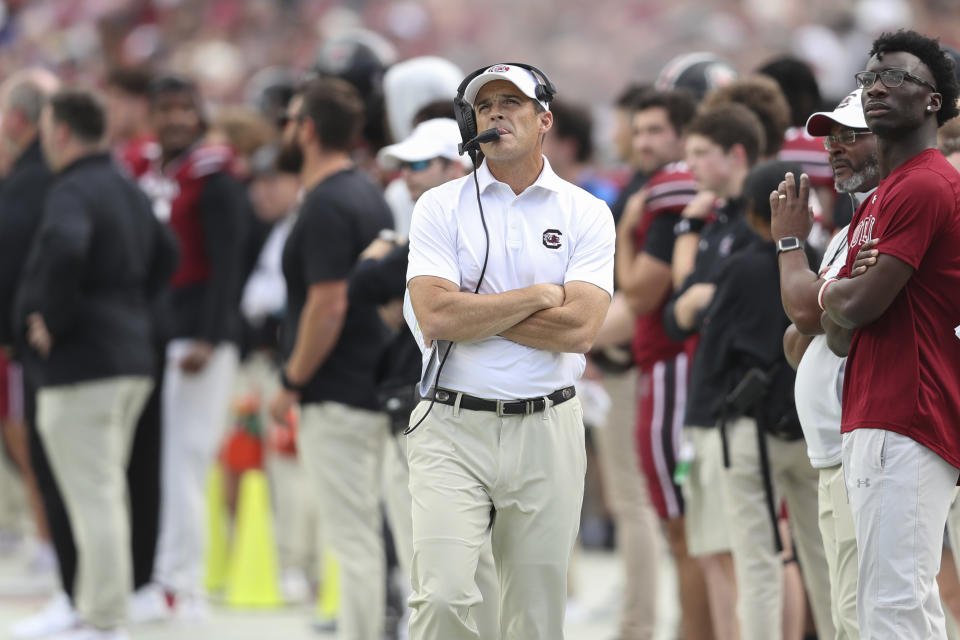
819,382
510,277
427,157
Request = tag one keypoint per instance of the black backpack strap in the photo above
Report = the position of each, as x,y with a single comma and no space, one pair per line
768,486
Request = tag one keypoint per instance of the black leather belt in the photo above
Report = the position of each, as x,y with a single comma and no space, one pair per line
501,407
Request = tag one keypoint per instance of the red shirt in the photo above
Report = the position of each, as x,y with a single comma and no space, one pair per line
669,190
137,154
903,371
175,191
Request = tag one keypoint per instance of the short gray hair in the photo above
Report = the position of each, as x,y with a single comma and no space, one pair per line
27,91
27,98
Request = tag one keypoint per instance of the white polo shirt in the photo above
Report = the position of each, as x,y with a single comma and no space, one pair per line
552,232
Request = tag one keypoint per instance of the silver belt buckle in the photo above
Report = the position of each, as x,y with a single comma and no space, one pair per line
499,408
529,407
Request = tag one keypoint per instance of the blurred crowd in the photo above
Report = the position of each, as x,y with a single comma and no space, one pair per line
203,217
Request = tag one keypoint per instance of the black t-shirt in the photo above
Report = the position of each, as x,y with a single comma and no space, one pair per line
22,196
660,237
743,328
98,258
721,239
637,181
338,219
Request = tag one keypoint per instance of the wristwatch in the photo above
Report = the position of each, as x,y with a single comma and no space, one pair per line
388,235
788,244
689,225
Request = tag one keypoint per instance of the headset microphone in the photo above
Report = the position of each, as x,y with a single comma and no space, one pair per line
463,111
490,135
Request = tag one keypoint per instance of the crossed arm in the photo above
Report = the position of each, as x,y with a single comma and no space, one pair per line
854,302
859,300
543,316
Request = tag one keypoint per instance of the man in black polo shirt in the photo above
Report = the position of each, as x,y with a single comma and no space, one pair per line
721,145
83,308
765,457
332,347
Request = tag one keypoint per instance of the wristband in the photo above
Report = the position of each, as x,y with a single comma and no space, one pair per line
689,225
289,386
823,289
388,235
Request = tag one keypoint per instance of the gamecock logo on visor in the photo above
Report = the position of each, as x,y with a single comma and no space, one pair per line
552,238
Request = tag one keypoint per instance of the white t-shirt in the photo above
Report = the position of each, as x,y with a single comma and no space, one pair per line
265,292
397,195
552,232
819,384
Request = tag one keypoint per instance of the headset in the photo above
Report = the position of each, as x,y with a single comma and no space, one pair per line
463,110
545,92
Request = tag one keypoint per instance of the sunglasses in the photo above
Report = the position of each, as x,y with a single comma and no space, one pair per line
845,138
417,165
890,78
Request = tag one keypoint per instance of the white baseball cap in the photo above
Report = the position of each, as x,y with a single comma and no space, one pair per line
848,113
523,79
436,138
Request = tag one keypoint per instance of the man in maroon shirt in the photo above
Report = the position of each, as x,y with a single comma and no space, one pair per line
896,320
645,239
192,188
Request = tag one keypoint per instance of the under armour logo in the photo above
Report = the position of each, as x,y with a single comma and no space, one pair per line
863,482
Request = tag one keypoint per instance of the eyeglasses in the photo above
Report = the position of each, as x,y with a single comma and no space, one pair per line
848,137
890,78
416,165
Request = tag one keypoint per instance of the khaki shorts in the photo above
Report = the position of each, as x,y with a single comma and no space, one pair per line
706,523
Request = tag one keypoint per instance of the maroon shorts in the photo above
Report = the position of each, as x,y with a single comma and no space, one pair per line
11,389
661,398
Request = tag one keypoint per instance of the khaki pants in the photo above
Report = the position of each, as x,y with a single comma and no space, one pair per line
87,429
638,534
840,546
530,471
293,505
396,493
341,448
295,515
706,517
758,567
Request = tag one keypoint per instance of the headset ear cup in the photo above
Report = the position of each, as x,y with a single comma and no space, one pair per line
465,119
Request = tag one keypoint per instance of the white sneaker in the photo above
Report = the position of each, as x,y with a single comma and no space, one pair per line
191,608
86,632
56,616
577,613
149,604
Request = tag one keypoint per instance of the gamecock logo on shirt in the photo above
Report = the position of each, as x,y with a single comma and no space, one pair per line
551,238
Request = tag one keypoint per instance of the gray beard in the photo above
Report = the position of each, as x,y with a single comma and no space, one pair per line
853,184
